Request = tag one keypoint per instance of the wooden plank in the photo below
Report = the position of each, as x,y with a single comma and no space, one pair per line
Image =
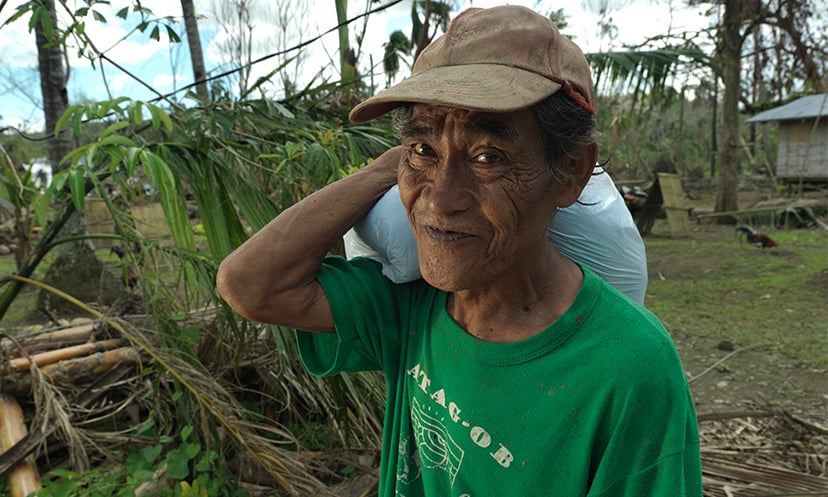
672,193
756,210
22,364
38,342
803,150
671,190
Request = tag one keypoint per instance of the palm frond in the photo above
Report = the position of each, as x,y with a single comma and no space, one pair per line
642,71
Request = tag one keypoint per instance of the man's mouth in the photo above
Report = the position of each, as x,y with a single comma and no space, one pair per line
445,235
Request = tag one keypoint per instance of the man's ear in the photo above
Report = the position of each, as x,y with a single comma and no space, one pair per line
583,165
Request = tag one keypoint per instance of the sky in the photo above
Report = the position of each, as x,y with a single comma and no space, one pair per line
166,66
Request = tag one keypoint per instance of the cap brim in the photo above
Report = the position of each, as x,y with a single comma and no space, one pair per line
484,87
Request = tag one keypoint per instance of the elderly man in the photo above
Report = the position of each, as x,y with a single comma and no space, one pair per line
511,370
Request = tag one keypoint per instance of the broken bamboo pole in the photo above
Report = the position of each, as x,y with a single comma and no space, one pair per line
48,340
22,364
23,478
72,371
92,365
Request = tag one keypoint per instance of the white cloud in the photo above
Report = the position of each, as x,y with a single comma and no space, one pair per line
19,49
22,125
117,82
166,80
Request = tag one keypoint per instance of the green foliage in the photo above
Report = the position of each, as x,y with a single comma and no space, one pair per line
667,135
19,150
19,189
435,15
25,202
396,46
239,164
192,469
559,17
427,19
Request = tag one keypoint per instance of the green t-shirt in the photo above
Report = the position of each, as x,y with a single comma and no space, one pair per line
596,405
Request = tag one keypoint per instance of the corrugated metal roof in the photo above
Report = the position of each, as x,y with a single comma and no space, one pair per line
801,108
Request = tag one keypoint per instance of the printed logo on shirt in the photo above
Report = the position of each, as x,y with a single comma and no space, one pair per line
436,447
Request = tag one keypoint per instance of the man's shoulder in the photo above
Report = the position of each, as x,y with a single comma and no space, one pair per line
606,295
622,317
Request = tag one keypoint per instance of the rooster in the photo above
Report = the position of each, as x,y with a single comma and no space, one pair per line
760,240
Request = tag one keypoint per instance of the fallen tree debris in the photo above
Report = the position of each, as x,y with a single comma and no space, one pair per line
763,455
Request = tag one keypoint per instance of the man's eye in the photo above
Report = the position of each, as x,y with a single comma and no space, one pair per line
422,149
487,158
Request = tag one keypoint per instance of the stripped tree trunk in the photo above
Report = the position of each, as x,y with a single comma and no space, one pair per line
196,53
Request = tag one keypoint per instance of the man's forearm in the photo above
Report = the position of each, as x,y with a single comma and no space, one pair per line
272,277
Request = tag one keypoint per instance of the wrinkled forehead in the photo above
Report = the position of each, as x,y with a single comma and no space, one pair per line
424,119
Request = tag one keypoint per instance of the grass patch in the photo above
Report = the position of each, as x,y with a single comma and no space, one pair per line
712,285
23,309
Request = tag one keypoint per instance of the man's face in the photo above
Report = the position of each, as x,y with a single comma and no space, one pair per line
478,194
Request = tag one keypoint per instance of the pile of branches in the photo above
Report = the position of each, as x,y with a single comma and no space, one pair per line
75,396
51,368
764,453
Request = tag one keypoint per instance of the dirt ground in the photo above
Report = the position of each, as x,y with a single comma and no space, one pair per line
750,380
733,378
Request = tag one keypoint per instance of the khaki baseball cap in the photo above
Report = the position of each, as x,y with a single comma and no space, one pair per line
500,59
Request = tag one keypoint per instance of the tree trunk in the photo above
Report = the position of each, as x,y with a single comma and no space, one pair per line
731,49
196,53
76,270
423,39
714,127
346,56
755,84
53,88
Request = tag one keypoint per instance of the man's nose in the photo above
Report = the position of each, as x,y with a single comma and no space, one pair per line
450,188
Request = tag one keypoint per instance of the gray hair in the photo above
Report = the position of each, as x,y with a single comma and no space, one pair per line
565,128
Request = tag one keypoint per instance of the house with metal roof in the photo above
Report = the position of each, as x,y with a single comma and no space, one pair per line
803,138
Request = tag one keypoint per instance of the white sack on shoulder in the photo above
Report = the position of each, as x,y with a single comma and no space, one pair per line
598,231
385,236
